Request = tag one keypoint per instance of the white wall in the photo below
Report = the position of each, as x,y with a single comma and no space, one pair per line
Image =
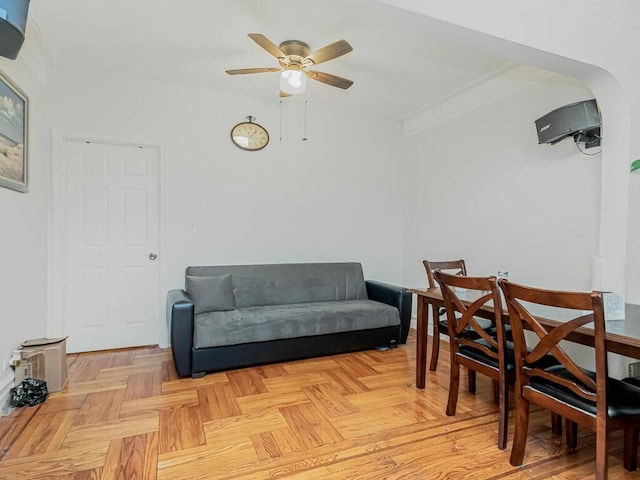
485,191
633,252
587,43
23,234
336,197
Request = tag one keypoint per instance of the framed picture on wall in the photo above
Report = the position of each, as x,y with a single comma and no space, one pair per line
14,122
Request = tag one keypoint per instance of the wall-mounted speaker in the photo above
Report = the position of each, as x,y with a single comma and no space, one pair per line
580,119
13,22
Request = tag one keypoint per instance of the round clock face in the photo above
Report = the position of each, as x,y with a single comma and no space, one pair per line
249,136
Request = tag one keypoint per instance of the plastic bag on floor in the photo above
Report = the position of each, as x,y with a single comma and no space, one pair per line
29,392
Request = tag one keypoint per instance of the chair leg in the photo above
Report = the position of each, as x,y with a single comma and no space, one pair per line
471,378
454,385
572,435
503,419
521,432
556,423
435,341
602,456
630,458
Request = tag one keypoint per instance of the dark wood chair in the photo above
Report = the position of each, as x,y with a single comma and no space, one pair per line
482,352
582,396
439,318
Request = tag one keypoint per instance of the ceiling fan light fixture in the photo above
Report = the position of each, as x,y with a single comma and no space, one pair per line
293,81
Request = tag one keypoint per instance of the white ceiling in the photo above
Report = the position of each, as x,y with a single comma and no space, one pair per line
396,65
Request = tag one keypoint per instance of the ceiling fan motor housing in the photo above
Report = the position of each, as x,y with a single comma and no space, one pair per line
295,48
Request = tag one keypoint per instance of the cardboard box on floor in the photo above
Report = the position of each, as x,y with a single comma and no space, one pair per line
44,359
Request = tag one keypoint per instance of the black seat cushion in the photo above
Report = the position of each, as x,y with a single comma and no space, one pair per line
632,380
480,356
622,396
484,324
443,326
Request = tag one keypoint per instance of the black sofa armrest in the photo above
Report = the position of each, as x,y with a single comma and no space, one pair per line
395,296
180,319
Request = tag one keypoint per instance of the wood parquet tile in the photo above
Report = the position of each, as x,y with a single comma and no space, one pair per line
125,414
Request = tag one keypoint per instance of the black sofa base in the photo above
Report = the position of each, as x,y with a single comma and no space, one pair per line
260,353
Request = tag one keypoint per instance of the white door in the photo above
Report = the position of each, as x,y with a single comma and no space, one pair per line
111,236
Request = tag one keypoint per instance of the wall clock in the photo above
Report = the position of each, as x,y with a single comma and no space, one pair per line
249,135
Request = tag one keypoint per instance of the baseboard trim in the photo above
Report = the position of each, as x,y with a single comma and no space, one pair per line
414,325
6,383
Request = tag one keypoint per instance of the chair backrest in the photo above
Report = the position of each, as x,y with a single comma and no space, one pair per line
455,266
481,293
588,308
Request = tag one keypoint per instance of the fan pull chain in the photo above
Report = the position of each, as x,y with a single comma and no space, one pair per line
305,138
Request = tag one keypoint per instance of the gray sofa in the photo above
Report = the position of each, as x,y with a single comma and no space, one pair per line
241,315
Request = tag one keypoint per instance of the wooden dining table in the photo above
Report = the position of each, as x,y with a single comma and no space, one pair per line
623,336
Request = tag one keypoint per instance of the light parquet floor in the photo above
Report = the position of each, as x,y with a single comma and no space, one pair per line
126,415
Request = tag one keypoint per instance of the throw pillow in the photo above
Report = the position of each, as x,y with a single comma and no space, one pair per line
211,294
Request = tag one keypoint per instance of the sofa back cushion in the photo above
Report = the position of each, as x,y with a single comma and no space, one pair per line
283,284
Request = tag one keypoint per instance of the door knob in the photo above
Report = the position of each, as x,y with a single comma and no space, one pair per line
153,256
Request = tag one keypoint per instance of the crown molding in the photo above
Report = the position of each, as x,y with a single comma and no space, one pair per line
37,53
51,54
456,91
502,82
608,10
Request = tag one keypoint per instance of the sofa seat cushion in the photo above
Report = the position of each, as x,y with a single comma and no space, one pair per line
271,322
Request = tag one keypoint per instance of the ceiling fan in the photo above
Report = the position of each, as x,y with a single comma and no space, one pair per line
294,59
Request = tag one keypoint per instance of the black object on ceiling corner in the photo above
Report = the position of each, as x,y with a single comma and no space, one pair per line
580,120
13,22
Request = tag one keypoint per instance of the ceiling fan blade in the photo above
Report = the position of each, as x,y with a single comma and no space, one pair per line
267,44
329,52
329,79
242,71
